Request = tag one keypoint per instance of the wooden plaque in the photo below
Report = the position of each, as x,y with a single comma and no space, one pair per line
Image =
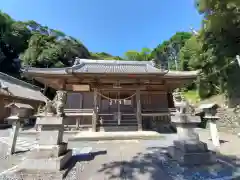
82,87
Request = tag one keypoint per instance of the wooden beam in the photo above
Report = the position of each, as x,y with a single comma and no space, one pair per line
130,87
153,92
121,87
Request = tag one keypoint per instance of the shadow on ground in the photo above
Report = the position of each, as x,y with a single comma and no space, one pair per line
82,158
221,141
156,164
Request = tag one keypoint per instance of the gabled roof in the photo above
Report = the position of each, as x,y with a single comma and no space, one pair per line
19,105
14,87
89,66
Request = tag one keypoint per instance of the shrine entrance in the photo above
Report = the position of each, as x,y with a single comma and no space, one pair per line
118,108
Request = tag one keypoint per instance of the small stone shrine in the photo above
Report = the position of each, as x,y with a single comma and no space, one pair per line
51,155
188,149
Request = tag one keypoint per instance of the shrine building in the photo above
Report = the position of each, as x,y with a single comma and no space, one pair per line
115,95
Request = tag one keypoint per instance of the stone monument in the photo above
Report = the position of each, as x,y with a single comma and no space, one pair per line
188,149
51,155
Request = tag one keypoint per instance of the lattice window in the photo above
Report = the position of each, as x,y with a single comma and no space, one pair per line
74,101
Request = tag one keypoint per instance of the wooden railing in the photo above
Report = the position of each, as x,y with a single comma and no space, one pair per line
144,111
78,112
158,112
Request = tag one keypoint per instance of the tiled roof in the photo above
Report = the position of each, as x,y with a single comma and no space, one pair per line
117,66
102,66
18,88
110,66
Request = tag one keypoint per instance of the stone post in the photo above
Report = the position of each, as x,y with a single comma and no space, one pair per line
14,134
188,149
139,110
214,130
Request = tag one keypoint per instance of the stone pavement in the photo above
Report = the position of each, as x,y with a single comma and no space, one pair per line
229,142
145,160
23,144
8,161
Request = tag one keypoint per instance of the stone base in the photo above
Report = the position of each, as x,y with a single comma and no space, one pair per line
191,147
48,151
191,153
51,158
43,175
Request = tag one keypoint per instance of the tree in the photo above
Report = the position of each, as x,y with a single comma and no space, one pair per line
168,51
104,56
189,55
143,55
51,48
220,42
13,40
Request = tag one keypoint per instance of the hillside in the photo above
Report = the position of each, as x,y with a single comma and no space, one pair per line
40,46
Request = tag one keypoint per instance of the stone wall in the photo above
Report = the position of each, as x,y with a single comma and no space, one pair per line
229,120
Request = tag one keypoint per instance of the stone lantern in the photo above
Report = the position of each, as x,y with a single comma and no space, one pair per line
188,149
19,113
210,111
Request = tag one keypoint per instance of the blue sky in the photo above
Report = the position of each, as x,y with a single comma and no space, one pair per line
112,26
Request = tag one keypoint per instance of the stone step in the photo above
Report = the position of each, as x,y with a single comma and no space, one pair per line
35,174
84,139
121,124
118,128
122,121
44,164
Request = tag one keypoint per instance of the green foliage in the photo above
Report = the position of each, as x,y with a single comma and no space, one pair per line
104,56
35,45
167,52
192,96
189,55
216,45
143,55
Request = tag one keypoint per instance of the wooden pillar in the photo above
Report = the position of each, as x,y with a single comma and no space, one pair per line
78,123
78,120
139,110
95,111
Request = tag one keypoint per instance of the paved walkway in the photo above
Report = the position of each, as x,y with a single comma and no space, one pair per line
229,142
145,160
23,144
